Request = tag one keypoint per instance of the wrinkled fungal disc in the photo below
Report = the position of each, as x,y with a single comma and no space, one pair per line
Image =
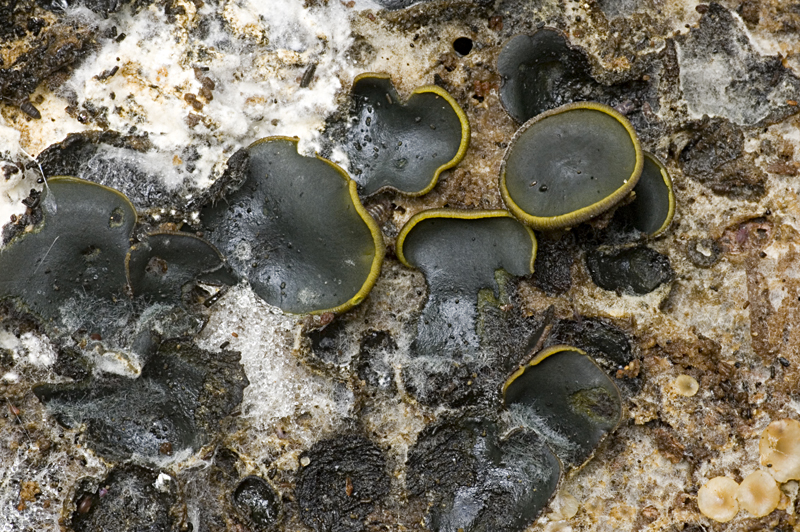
568,399
652,209
570,164
779,449
297,231
403,146
341,481
540,72
758,494
160,266
717,499
77,251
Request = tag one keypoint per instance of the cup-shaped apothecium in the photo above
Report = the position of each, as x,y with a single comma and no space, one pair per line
570,164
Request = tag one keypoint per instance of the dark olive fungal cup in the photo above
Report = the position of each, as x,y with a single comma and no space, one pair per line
403,146
345,478
653,208
570,164
461,253
178,400
541,72
474,235
566,392
164,263
134,503
77,251
297,231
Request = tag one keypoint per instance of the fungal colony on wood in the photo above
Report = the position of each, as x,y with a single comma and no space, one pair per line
294,229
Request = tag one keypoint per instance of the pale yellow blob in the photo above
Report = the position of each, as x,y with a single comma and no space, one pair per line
780,449
759,494
564,506
685,385
558,526
717,499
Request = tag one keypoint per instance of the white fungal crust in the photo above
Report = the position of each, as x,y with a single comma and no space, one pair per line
780,449
717,499
758,494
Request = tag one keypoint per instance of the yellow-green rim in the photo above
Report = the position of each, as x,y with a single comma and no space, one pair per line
161,233
667,181
462,117
554,350
540,356
73,179
377,235
456,214
581,215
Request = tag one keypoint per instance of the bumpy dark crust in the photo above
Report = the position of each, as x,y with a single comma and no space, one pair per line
344,480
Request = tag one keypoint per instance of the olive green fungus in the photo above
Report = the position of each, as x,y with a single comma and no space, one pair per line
175,404
165,264
541,72
570,164
632,270
459,253
403,146
297,231
76,252
478,476
571,401
653,206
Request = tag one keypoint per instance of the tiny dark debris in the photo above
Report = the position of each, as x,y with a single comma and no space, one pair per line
462,46
32,216
60,47
308,75
255,499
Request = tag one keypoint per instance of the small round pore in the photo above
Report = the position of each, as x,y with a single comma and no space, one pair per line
570,164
